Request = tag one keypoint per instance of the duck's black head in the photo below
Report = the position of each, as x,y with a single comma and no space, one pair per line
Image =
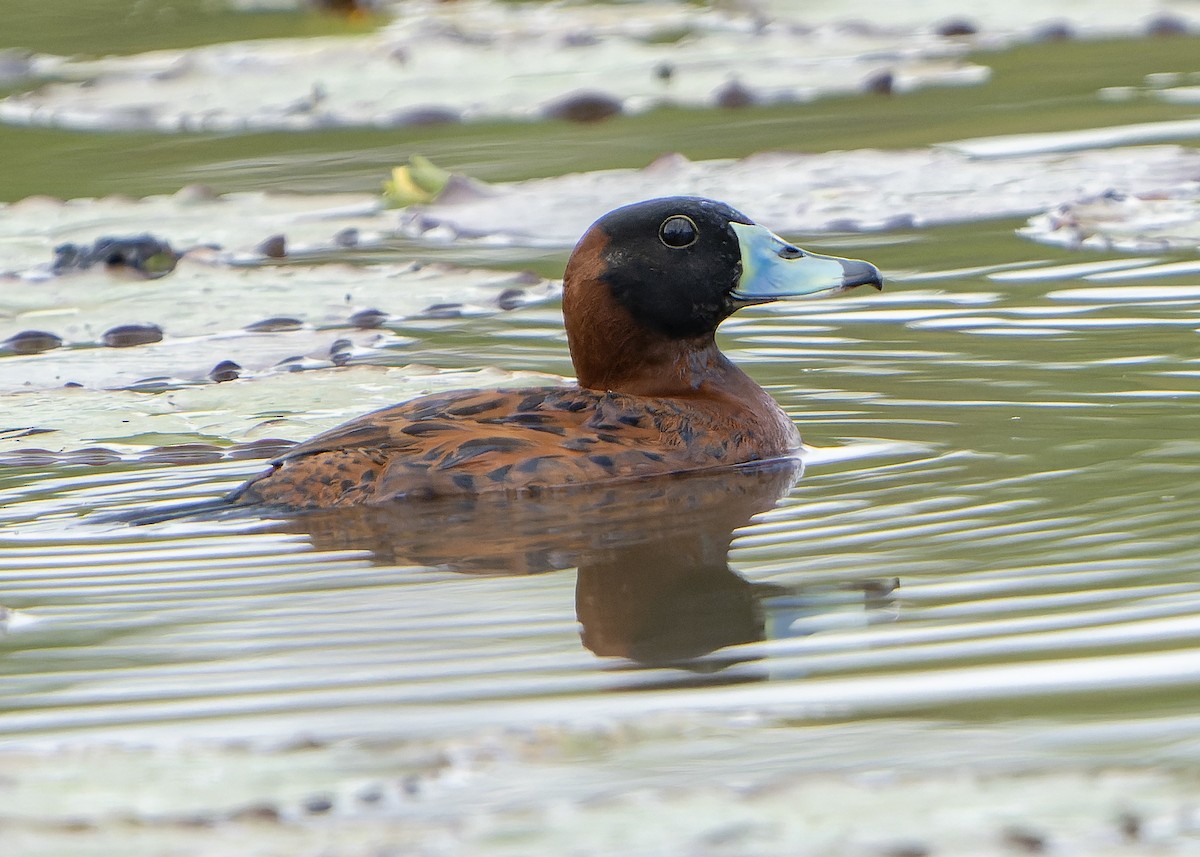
680,265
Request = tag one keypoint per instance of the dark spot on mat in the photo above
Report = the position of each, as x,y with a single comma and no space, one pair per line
580,39
30,342
608,437
154,382
368,318
274,247
1055,31
510,299
1025,840
664,71
347,237
276,324
880,83
734,95
442,311
653,456
464,481
630,419
500,473
604,461
340,351
317,804
1130,825
584,106
128,335
262,811
226,370
956,28
372,793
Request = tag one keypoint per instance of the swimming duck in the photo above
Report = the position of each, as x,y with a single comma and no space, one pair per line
643,293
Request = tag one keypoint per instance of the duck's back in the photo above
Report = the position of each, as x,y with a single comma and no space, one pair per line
513,440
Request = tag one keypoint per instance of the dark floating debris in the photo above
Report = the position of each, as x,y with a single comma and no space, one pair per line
143,255
274,247
129,335
733,95
368,318
956,27
443,311
226,370
318,804
1024,840
30,342
511,299
339,351
1054,31
276,324
880,83
584,106
261,811
347,237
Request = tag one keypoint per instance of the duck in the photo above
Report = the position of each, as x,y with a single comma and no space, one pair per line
644,291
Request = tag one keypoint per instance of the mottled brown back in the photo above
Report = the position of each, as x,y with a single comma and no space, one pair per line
517,441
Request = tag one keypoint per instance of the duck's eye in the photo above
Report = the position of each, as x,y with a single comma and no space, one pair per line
678,231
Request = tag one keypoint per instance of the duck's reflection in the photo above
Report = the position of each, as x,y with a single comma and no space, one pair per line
654,583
